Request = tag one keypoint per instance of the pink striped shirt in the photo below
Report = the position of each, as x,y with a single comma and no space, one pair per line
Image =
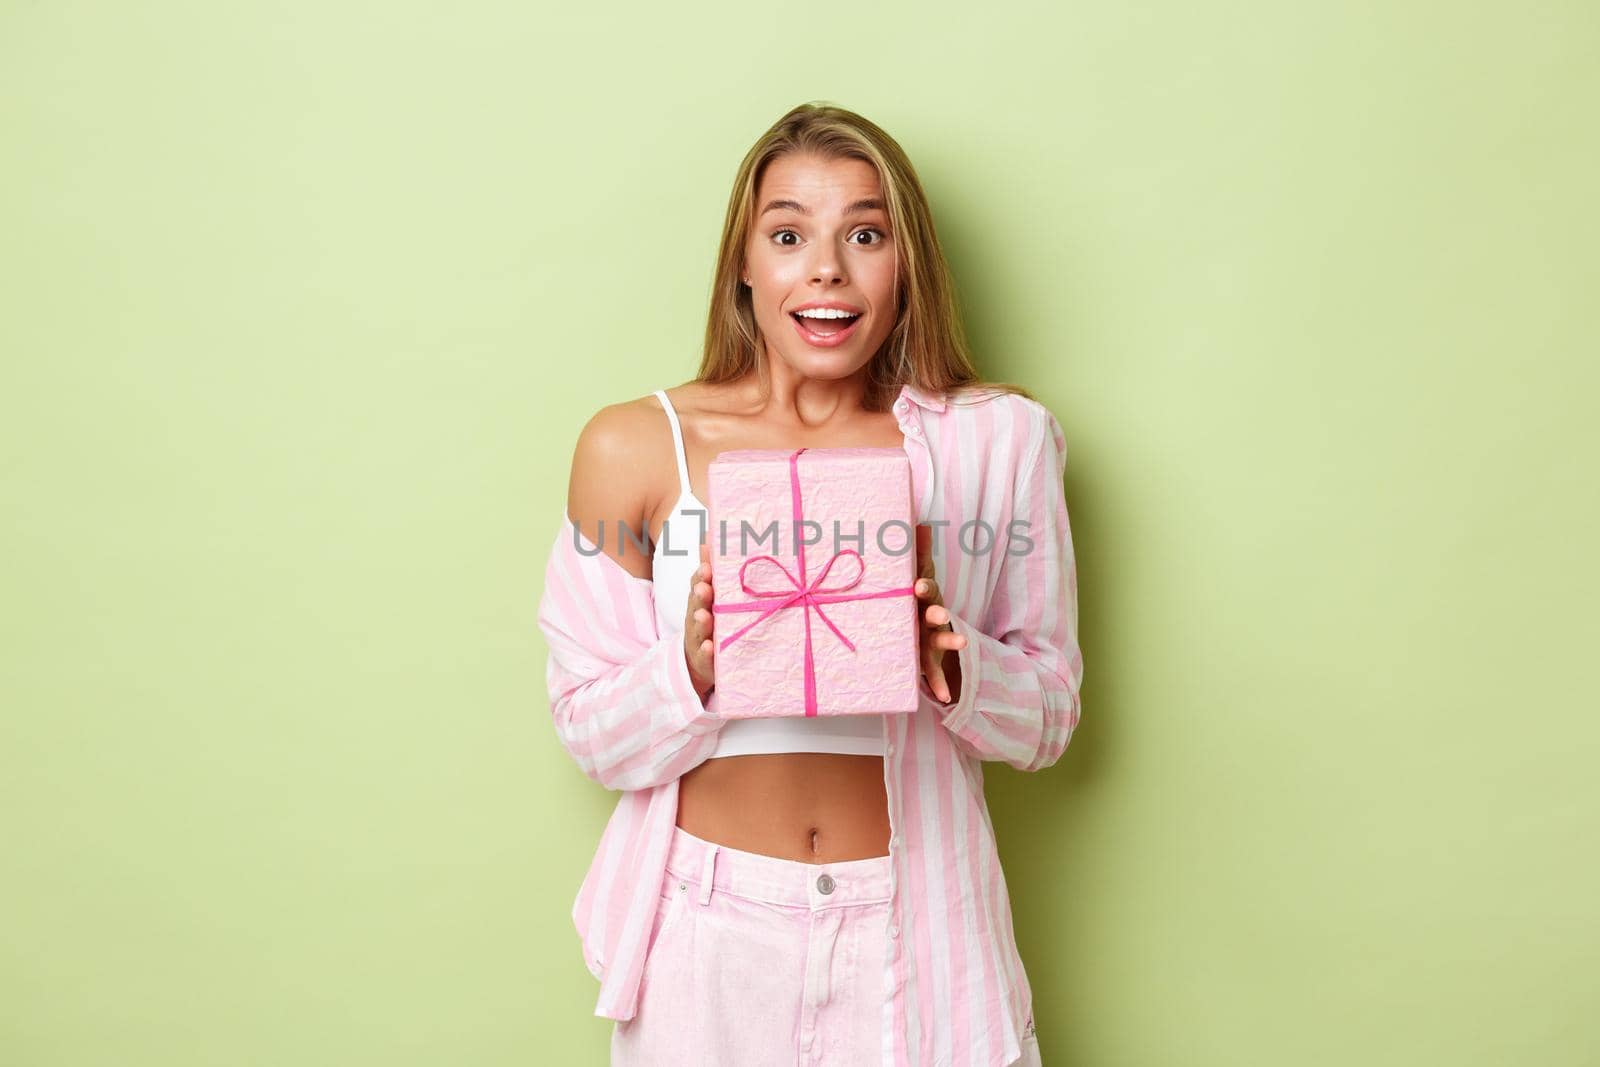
626,711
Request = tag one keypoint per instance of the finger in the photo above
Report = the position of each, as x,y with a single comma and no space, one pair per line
930,660
934,672
928,589
924,551
698,614
702,570
701,617
936,616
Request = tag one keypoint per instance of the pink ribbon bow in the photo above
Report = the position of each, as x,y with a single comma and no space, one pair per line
811,594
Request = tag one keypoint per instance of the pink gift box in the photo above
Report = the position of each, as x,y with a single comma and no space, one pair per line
812,619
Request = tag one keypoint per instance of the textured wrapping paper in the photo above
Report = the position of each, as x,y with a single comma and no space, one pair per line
820,623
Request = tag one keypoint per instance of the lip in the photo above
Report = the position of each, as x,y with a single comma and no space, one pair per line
833,340
833,305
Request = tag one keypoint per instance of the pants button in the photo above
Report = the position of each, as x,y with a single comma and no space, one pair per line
824,884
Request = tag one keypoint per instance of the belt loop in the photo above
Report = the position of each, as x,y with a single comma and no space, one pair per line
708,872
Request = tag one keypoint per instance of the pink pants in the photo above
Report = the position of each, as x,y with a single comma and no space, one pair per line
757,961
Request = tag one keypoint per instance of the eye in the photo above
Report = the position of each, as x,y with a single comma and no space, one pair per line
881,236
778,233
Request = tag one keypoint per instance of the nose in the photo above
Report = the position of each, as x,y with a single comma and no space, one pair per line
828,267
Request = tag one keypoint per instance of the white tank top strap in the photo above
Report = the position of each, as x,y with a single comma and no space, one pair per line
677,439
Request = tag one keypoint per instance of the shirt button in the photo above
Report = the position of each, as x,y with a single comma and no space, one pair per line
888,749
824,884
894,931
894,842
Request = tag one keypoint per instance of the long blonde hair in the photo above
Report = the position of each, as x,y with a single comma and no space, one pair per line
928,347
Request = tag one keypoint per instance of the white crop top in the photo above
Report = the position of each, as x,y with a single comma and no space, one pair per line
677,557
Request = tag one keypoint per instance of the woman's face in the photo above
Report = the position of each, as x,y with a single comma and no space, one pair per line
821,236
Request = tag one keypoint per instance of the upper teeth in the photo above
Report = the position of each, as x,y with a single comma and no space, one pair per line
825,313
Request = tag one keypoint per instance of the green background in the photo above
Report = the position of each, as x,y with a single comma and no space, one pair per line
304,305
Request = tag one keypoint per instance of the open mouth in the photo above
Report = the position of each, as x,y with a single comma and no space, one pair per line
826,332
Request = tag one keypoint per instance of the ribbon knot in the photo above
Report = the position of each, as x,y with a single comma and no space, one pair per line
810,595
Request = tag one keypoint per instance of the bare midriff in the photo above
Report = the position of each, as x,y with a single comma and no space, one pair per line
814,807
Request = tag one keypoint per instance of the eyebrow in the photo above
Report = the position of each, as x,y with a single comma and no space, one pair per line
869,203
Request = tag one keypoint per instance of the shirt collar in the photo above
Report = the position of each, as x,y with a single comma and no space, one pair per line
923,398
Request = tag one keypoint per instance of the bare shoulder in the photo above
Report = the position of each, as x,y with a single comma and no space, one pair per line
616,477
695,398
623,425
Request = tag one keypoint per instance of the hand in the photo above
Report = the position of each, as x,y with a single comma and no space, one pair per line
697,628
936,634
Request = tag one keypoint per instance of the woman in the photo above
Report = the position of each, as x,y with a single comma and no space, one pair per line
822,889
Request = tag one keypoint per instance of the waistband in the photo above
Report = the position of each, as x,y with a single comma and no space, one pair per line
708,866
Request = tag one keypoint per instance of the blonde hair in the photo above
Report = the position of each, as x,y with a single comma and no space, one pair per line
928,347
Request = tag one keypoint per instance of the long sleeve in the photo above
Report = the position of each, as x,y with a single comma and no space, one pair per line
624,705
1019,699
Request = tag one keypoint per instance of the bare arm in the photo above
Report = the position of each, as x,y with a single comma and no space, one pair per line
625,704
608,494
609,490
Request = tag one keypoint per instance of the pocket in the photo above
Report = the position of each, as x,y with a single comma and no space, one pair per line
671,903
664,1024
